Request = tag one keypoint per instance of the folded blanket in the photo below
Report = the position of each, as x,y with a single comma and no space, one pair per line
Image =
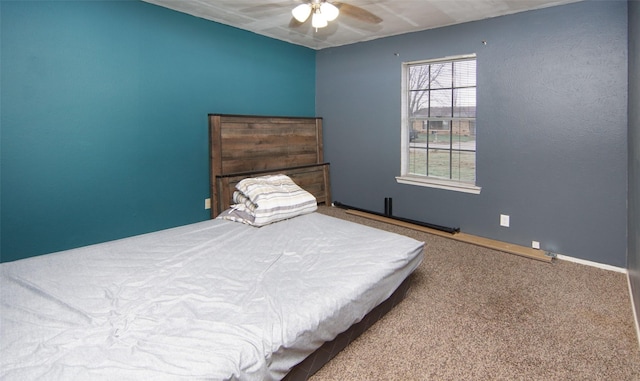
263,200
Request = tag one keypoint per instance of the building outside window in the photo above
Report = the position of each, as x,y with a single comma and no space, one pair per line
439,123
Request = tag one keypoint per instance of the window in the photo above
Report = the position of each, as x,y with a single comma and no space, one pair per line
439,123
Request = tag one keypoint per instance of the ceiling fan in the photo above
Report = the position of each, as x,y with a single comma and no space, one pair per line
322,11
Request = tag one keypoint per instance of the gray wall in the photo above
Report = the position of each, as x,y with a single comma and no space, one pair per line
634,152
552,127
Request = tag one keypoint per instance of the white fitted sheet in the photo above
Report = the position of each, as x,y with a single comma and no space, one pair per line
217,300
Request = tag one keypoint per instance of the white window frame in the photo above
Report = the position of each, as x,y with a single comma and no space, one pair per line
425,181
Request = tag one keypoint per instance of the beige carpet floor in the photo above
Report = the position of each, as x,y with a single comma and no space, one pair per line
478,314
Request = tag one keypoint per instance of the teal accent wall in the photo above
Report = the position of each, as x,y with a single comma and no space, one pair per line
104,115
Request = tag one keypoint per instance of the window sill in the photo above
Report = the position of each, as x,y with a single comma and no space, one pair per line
440,184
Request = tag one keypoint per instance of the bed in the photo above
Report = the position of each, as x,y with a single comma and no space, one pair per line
217,299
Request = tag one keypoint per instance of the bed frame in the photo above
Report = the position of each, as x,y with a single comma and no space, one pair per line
243,146
248,146
330,349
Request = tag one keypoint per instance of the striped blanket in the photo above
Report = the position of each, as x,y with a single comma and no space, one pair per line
263,200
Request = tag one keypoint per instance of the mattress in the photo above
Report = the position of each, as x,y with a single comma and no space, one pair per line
217,300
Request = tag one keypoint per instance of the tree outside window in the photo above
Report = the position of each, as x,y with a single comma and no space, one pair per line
440,120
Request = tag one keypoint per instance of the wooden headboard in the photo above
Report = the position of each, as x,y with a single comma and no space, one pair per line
243,146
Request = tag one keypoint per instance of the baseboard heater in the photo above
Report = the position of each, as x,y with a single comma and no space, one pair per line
447,232
407,220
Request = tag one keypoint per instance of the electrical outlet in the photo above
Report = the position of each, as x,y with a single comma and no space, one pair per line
207,203
504,220
535,245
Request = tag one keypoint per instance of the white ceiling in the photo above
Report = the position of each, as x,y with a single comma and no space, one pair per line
272,17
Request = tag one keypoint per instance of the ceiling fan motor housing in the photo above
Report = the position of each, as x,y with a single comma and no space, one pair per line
322,12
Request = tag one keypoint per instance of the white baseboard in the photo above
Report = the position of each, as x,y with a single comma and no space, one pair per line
592,264
633,309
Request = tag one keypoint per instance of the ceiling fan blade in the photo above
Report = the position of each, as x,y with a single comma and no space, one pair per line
358,13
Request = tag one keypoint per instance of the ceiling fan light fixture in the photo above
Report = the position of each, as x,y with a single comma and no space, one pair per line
318,20
329,11
301,12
